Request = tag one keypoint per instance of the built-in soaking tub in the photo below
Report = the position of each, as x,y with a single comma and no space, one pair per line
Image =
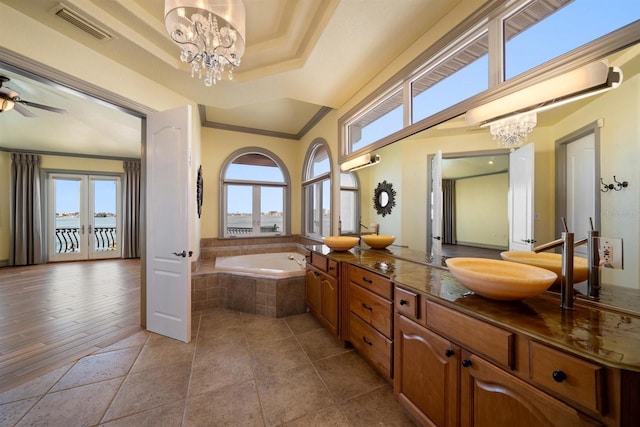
269,284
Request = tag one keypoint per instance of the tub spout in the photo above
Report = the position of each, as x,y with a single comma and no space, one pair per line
301,263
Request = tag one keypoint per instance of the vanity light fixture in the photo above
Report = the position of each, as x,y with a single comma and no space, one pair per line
211,34
360,162
589,80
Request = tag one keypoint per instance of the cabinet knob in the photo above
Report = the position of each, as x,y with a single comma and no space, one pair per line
403,302
448,352
559,376
466,363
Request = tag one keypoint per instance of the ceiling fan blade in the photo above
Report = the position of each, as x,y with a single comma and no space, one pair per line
43,107
7,92
20,109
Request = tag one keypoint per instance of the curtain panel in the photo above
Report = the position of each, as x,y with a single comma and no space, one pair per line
449,212
131,210
25,216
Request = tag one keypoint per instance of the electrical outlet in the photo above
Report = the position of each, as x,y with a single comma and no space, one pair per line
610,250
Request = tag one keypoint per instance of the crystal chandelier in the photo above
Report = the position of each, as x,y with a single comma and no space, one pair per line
512,131
211,34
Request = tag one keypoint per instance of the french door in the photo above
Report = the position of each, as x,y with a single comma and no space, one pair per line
84,217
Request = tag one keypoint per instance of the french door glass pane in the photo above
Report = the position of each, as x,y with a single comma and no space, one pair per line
239,209
104,215
67,211
271,209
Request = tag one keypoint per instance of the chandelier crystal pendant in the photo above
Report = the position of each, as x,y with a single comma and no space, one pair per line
210,33
512,131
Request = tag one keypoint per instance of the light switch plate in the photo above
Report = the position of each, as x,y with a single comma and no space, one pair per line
610,250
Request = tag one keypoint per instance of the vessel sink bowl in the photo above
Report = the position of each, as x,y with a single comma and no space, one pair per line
341,243
500,280
549,261
378,241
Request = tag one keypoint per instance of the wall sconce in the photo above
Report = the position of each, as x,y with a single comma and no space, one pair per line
617,187
360,162
589,80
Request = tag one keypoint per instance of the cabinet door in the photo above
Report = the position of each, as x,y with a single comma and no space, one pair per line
426,374
329,302
493,398
312,284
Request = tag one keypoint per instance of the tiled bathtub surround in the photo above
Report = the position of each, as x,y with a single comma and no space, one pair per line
239,370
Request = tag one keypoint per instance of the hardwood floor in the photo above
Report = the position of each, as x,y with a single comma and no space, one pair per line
53,314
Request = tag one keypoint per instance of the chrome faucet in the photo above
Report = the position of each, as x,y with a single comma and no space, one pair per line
568,243
301,263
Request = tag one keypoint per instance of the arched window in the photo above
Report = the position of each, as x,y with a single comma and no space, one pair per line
316,190
255,195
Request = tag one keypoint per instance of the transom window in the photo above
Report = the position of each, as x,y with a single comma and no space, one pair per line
255,193
316,191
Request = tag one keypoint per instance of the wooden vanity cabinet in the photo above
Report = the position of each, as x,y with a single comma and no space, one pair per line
370,317
451,369
322,291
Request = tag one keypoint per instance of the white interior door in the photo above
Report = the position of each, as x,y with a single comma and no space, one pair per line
436,207
168,185
521,198
581,190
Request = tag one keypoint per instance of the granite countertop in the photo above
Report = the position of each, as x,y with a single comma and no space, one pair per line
607,332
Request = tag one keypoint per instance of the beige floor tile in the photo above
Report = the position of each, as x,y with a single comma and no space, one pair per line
80,406
163,416
266,330
327,417
379,407
36,387
161,353
149,389
288,395
302,323
222,341
275,356
320,343
136,340
347,375
213,371
10,413
236,405
98,367
217,319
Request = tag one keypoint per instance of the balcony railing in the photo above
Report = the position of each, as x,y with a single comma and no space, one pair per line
68,239
249,230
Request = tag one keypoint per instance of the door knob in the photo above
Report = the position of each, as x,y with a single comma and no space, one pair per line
182,254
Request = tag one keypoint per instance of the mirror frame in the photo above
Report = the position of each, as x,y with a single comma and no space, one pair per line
384,188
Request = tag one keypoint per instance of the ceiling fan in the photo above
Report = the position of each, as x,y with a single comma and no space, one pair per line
10,99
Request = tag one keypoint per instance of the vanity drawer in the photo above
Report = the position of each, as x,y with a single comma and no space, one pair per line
573,378
332,268
371,344
319,261
368,280
407,303
372,308
477,336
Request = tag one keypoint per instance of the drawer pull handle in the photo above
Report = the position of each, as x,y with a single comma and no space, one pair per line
366,341
369,281
448,352
466,363
331,268
403,302
366,307
559,376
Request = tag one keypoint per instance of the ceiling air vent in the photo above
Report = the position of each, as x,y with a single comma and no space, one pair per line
82,23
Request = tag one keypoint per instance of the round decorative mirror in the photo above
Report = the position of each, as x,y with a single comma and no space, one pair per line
384,198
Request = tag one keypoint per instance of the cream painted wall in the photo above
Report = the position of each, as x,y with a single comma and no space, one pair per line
217,145
477,200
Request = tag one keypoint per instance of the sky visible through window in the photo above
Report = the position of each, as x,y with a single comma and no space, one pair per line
572,26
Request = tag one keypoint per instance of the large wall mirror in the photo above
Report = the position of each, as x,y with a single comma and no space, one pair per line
614,117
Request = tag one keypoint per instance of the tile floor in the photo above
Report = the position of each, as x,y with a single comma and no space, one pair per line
239,370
